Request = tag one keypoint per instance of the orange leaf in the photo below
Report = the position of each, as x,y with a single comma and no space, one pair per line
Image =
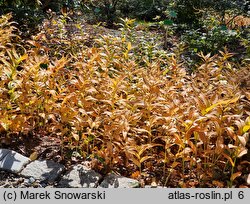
135,174
135,161
235,175
145,158
33,156
175,164
218,184
75,136
229,159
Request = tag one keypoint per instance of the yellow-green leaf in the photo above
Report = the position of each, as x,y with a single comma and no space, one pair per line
223,102
246,128
129,46
22,58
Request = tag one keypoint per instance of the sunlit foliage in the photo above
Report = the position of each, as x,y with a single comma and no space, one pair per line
126,108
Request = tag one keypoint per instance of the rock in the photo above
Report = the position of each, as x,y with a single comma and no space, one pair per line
31,180
80,177
12,161
3,153
115,181
44,170
149,186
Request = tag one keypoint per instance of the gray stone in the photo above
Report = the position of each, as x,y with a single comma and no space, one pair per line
43,170
115,181
12,161
3,153
80,177
31,180
149,186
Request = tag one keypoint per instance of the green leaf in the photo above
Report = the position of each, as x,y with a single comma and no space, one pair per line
223,27
173,14
44,66
168,22
97,10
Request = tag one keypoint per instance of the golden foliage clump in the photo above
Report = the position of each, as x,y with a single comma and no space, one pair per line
147,119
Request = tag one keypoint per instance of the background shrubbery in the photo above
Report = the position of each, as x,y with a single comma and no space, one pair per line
205,26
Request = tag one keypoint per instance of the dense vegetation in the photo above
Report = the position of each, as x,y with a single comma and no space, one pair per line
163,97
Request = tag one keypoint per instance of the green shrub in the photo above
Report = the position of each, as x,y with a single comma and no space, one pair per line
205,26
29,13
111,10
146,9
210,39
192,12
